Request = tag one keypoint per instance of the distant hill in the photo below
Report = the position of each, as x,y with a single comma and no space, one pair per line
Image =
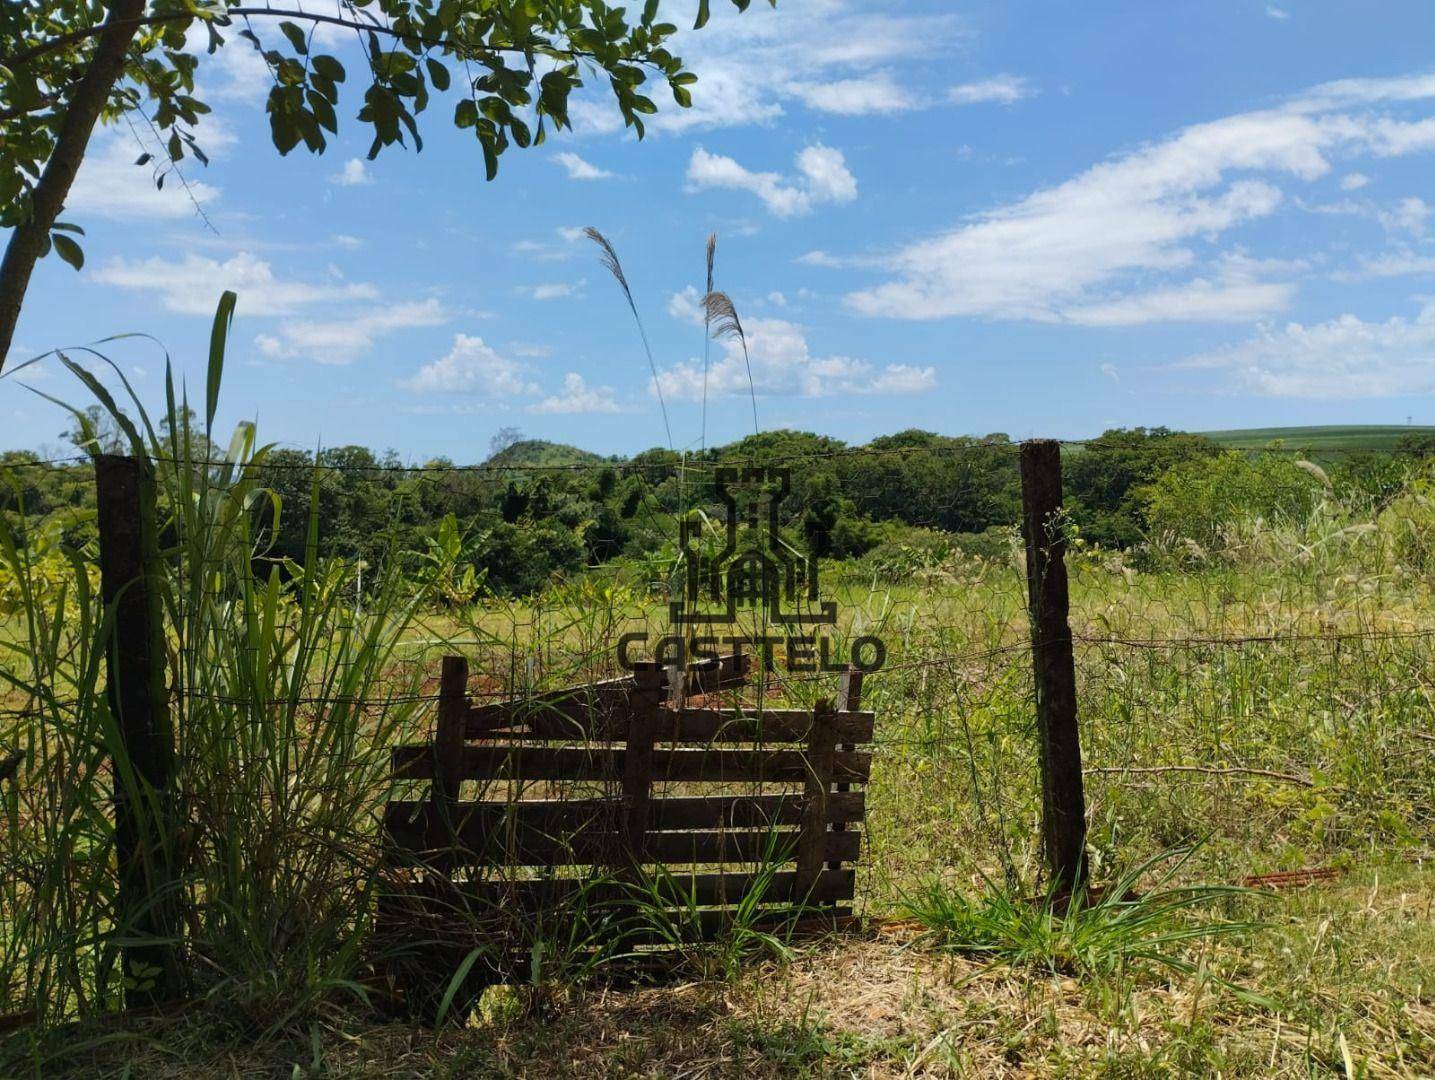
530,452
1327,437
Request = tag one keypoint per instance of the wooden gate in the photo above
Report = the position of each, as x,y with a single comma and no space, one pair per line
635,789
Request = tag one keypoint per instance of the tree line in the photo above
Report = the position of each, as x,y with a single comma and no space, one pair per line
533,510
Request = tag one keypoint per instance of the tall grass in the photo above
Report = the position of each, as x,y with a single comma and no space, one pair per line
284,701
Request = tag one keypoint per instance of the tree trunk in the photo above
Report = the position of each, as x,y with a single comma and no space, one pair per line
47,199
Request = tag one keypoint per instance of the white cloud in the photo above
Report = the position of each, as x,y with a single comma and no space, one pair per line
1110,371
1400,263
551,250
1236,293
998,90
472,366
1410,215
865,96
354,314
782,365
687,306
578,169
553,290
578,397
832,55
355,173
1132,239
1353,181
828,178
824,178
1275,12
191,286
1343,358
341,341
776,298
110,185
824,259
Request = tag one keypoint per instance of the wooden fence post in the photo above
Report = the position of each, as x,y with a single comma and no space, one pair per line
849,699
643,706
144,767
812,839
1058,739
448,740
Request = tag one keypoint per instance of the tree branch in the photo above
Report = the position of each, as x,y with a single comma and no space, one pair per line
20,59
28,240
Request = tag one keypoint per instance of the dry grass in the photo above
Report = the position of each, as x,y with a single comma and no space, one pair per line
1350,964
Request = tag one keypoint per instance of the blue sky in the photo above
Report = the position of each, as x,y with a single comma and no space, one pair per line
1037,218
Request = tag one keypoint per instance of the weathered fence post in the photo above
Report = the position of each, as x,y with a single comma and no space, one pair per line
849,699
643,706
144,768
1058,739
812,839
448,738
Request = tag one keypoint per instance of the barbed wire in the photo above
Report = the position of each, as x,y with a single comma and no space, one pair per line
778,678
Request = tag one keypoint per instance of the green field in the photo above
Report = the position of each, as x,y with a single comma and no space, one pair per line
1336,437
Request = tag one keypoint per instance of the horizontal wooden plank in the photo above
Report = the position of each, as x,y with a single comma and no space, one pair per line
597,709
520,762
570,712
576,722
771,725
592,847
700,890
418,825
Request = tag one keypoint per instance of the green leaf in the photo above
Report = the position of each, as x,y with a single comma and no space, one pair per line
704,13
392,63
328,67
454,985
438,74
296,37
218,336
65,226
68,250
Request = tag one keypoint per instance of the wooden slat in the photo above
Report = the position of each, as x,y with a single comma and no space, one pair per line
771,726
597,709
725,673
702,890
688,726
592,847
570,712
414,825
515,762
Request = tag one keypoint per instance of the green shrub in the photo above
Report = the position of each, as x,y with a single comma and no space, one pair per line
1409,521
521,558
1200,500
